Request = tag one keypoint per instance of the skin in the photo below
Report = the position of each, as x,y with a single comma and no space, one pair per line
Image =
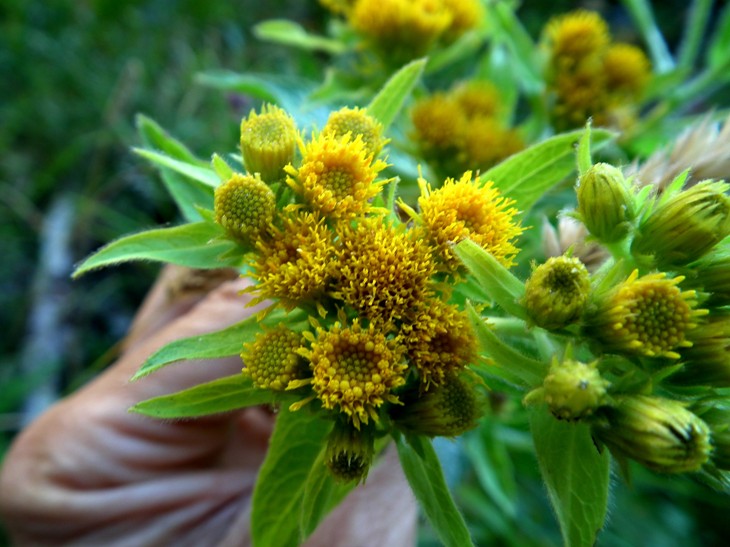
87,472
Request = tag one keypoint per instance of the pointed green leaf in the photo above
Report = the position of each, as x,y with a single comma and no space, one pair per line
321,494
576,476
387,103
221,395
222,343
527,175
185,191
201,174
193,245
289,33
221,168
509,364
423,471
584,151
155,137
494,279
294,449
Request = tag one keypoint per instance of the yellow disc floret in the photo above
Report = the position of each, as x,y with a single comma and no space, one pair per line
337,176
355,369
295,264
576,35
357,121
244,206
383,271
627,69
268,142
272,360
648,315
440,340
468,209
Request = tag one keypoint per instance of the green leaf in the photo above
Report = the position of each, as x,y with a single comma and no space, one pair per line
643,15
584,151
222,343
193,245
527,175
387,103
154,136
718,50
294,450
188,193
494,279
466,46
289,33
576,476
221,395
509,364
201,174
321,494
221,168
423,471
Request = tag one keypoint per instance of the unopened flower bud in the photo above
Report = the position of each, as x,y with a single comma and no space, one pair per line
573,390
446,410
605,203
272,359
684,227
718,419
244,206
711,275
707,361
357,121
349,453
556,292
268,142
660,434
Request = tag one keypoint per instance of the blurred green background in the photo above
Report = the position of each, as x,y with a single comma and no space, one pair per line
73,75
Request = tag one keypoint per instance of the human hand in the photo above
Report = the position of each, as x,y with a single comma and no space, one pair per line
88,472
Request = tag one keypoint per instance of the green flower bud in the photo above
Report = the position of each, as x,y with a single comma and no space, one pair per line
446,410
573,390
707,361
272,359
711,274
685,226
605,203
357,121
718,419
349,452
268,142
244,206
660,434
556,292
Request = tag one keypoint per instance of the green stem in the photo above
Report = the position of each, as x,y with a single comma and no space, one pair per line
695,33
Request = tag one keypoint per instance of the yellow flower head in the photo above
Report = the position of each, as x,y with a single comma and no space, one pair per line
469,209
244,206
268,142
355,369
465,15
400,29
295,264
648,315
627,69
337,176
439,341
477,98
357,121
439,123
272,360
576,35
580,95
487,142
383,271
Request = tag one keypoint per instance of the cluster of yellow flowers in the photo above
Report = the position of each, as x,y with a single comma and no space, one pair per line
589,75
463,128
401,30
652,337
381,332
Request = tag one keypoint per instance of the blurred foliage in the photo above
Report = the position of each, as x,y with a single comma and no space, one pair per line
73,75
